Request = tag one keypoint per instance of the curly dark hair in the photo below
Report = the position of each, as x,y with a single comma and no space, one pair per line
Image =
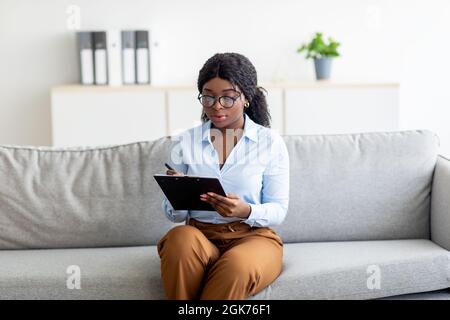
238,70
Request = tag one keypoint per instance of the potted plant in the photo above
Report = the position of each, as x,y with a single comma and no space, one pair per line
322,53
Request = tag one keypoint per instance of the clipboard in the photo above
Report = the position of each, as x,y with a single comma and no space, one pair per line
183,192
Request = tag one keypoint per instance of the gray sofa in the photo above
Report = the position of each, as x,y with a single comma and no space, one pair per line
369,217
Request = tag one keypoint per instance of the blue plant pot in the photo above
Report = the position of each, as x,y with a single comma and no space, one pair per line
323,68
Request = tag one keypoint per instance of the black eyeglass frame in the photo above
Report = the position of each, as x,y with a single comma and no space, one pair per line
200,95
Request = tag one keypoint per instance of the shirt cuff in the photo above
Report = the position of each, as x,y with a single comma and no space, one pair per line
255,217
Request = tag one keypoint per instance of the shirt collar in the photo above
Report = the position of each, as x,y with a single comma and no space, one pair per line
250,129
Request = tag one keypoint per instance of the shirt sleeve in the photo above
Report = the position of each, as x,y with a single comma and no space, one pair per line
173,215
175,161
275,189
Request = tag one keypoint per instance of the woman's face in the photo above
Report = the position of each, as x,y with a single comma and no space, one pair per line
220,116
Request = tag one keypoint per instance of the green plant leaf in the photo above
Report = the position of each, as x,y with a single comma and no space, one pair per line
318,48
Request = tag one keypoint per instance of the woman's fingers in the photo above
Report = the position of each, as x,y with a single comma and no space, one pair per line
232,195
223,211
228,206
220,198
220,207
210,199
174,173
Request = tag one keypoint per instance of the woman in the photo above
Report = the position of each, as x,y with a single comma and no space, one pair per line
229,253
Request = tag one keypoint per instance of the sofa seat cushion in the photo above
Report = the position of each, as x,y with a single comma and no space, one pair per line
341,270
323,270
106,273
443,294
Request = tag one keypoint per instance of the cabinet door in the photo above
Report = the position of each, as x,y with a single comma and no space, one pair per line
91,117
275,102
341,110
184,110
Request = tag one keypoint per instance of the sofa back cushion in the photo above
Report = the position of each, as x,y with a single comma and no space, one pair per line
366,186
81,197
342,187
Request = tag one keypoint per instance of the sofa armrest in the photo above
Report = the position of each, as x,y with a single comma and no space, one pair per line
440,203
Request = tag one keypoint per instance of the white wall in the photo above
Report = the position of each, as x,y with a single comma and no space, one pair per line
402,41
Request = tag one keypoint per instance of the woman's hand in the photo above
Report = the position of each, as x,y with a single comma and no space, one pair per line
174,173
229,206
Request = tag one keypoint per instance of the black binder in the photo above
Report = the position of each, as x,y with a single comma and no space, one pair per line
183,192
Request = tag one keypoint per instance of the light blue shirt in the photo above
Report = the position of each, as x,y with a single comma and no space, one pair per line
257,170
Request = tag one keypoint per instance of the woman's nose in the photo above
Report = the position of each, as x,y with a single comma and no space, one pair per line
217,105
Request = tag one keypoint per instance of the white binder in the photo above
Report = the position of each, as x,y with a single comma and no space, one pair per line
114,48
142,57
100,58
85,57
128,57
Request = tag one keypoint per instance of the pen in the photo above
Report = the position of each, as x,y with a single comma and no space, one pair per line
169,167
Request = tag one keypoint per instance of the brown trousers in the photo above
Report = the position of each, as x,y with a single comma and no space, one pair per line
218,261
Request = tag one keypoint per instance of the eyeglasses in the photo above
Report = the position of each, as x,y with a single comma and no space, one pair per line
209,101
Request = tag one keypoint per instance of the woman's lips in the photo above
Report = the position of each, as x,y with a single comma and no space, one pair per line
218,117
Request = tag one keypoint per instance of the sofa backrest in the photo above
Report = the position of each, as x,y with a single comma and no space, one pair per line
342,187
81,197
367,186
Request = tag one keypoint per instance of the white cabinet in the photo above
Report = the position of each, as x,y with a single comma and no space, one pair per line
102,116
327,109
276,108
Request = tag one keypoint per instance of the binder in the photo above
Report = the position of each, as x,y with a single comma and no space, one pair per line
114,57
128,57
100,58
142,57
85,57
